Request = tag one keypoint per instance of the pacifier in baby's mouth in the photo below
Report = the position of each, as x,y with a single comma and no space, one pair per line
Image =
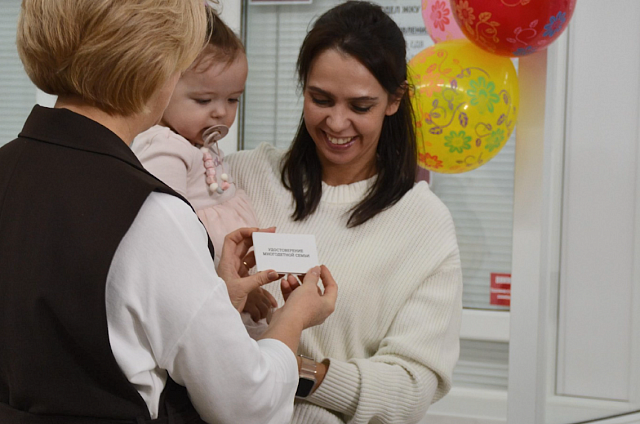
210,136
213,134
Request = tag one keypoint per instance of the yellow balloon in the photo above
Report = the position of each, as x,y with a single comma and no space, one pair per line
466,105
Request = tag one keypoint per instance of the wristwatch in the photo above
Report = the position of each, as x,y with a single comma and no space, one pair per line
307,380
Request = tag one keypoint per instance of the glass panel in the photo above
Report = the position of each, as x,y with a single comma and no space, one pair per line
17,93
482,365
481,201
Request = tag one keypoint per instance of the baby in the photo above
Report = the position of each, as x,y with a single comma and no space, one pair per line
182,149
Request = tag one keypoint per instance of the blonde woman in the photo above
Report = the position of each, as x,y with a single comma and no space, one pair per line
112,310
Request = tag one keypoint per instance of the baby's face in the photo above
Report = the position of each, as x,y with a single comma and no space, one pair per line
206,97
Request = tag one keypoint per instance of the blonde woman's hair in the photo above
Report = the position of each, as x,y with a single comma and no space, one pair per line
115,54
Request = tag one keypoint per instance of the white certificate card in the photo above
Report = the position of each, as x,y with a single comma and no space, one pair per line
285,253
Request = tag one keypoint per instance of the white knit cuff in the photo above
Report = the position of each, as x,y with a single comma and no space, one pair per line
340,388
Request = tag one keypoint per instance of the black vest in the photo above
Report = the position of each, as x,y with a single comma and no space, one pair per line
69,191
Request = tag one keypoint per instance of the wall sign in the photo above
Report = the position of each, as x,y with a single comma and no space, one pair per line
408,15
500,289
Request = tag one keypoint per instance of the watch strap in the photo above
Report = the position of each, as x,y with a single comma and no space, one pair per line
307,377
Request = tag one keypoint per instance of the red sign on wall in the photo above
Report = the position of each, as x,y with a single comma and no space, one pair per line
500,289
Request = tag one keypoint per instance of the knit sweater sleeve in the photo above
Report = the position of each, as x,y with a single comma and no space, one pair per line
400,381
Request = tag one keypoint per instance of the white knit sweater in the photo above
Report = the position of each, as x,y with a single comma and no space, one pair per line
393,339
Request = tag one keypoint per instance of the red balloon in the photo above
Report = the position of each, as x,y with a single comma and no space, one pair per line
512,27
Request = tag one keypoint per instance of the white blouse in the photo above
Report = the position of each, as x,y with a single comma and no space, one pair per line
168,311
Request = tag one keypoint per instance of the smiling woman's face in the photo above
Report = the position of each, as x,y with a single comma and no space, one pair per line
344,109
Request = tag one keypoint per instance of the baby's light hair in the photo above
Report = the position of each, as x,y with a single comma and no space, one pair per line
222,44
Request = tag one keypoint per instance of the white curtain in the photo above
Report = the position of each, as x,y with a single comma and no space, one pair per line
17,93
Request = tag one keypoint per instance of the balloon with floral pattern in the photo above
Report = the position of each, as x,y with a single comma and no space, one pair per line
439,21
466,105
513,27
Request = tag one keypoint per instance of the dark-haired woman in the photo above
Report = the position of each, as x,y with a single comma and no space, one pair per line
389,349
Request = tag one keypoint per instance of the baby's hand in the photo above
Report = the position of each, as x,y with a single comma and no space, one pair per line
289,284
260,304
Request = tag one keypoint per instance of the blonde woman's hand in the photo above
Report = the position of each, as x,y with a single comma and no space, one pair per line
306,302
233,269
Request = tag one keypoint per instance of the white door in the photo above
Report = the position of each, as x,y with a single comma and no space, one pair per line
575,315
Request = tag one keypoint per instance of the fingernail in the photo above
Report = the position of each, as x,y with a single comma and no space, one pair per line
273,275
315,270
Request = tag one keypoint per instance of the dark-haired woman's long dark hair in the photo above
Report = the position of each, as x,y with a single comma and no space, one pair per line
363,31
